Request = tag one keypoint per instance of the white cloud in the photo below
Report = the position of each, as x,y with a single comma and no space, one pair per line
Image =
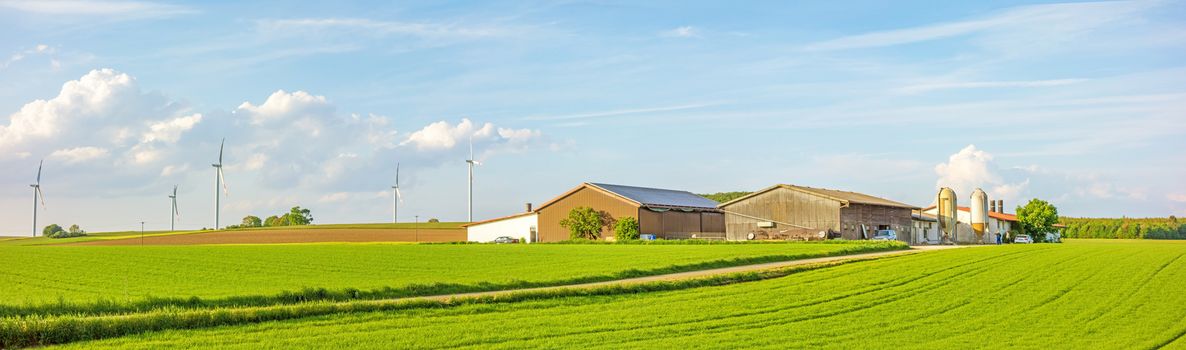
96,8
79,154
971,168
442,135
255,161
170,130
1176,197
170,170
284,105
682,32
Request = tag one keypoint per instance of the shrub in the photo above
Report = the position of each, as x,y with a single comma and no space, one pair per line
626,229
55,231
434,221
583,223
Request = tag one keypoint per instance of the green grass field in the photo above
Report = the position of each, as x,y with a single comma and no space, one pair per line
98,236
38,279
1082,294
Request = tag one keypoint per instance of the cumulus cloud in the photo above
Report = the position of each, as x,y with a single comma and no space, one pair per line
102,113
284,105
971,168
78,154
442,135
170,130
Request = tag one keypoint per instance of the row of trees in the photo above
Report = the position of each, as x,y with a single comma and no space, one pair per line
55,231
722,197
587,223
1132,228
295,216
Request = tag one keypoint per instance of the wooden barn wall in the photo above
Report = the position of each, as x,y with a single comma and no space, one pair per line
782,205
871,216
550,216
680,224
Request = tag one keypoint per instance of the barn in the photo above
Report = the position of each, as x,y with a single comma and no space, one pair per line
667,214
522,226
790,212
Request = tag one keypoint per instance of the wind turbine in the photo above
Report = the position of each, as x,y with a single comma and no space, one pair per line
37,195
219,181
471,163
173,216
396,197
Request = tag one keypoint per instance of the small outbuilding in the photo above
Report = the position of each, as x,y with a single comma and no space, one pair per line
523,226
668,214
790,212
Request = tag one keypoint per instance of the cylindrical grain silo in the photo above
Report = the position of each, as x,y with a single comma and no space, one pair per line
979,211
946,207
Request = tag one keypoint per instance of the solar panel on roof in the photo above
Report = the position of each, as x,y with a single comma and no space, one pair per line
660,197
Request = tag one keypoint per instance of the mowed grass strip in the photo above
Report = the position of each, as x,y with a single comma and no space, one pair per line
92,280
1109,295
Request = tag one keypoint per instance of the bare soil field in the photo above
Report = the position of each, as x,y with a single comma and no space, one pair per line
304,235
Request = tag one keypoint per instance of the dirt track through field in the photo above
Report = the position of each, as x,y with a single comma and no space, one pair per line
700,273
305,235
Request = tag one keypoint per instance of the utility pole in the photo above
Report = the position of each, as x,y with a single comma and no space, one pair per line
417,228
141,233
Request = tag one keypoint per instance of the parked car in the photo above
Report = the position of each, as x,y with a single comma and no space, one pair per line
506,239
1023,239
885,235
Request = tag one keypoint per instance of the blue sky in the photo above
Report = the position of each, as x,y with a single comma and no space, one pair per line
1081,104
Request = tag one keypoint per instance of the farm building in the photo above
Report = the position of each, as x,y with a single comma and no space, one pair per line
998,223
925,229
664,213
806,213
522,226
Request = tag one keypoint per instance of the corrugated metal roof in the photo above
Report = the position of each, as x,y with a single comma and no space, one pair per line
852,197
659,197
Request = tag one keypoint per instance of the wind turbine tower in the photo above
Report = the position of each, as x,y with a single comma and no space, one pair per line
471,163
396,197
219,181
37,195
173,213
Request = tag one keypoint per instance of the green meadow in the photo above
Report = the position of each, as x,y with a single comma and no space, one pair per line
1081,294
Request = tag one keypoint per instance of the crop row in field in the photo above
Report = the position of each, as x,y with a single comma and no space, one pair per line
1076,295
56,280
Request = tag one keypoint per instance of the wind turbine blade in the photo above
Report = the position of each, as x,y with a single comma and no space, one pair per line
399,195
174,192
176,210
223,180
39,171
471,147
220,150
477,163
397,174
41,195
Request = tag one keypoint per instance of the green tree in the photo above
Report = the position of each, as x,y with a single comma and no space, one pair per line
75,230
272,221
583,223
722,197
626,229
52,231
434,220
1037,218
251,221
299,216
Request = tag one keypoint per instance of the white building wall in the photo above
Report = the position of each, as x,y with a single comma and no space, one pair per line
521,227
964,233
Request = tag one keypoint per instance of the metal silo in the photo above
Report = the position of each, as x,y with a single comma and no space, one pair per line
979,212
946,207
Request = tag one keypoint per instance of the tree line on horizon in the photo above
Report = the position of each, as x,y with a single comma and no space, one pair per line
294,217
1125,228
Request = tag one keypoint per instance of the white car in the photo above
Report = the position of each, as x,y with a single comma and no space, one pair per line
885,235
1023,239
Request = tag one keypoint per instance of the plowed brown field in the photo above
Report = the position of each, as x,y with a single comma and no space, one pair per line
304,235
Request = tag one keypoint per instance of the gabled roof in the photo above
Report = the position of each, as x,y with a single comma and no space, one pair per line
643,197
512,216
845,197
657,197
